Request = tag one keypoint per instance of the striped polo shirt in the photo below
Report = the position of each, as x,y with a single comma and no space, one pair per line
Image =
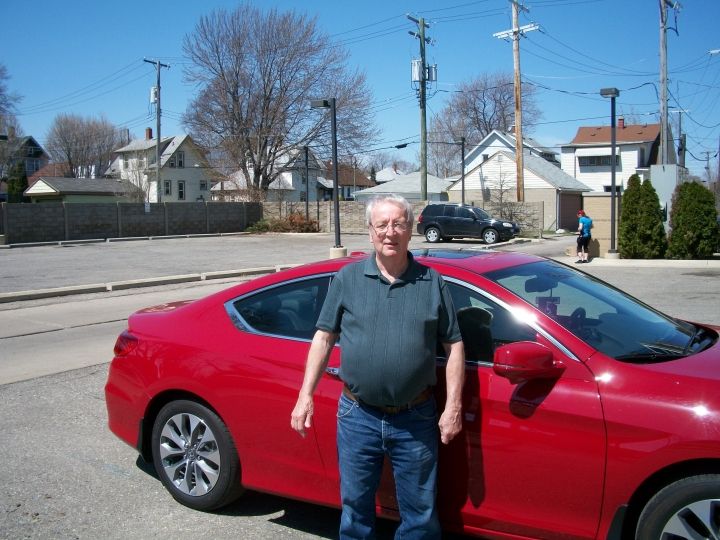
389,332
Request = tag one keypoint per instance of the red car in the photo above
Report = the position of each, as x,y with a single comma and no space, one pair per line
587,414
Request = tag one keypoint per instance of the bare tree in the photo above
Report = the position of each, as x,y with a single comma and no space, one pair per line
9,125
475,109
11,131
8,100
85,144
257,73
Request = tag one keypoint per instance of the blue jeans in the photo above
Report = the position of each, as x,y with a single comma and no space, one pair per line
410,439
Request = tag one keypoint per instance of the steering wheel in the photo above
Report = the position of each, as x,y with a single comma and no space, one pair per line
577,319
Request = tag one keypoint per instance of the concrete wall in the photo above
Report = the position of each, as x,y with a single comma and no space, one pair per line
52,222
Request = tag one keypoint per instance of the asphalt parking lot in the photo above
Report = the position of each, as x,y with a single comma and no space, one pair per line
70,478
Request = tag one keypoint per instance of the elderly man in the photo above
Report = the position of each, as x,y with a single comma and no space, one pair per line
389,312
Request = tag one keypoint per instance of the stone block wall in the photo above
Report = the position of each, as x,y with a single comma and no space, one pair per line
54,222
87,222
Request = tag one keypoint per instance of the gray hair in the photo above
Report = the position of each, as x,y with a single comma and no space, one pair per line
397,200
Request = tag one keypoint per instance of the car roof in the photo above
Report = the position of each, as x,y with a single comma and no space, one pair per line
478,262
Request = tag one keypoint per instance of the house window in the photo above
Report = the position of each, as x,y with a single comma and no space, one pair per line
181,190
597,161
180,159
168,187
124,162
203,185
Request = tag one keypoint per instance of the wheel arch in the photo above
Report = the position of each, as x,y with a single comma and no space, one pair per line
153,409
628,514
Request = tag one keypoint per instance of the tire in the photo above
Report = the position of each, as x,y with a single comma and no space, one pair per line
195,457
490,236
432,235
688,508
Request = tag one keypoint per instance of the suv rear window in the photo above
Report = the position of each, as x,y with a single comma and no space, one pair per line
433,210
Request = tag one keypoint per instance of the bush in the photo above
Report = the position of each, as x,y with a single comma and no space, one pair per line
693,223
641,232
295,222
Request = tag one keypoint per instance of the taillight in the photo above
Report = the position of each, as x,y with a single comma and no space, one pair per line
125,344
420,218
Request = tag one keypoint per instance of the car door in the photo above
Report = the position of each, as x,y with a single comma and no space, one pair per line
530,458
274,330
466,223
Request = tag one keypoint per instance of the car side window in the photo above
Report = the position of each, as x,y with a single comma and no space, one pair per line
290,310
484,324
449,211
465,213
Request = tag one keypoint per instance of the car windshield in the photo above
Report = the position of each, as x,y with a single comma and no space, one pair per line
604,317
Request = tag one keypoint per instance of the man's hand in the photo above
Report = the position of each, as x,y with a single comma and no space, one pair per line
450,424
301,417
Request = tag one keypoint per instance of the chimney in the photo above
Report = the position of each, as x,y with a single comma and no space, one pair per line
621,122
148,133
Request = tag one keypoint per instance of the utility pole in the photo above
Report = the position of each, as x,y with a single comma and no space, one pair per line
515,33
664,132
422,80
158,65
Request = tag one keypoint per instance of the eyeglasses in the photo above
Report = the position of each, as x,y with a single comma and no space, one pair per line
383,228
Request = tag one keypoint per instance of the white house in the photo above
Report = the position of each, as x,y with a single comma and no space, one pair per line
290,184
544,182
408,186
184,171
497,140
588,156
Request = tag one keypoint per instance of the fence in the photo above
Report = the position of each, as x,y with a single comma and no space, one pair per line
52,222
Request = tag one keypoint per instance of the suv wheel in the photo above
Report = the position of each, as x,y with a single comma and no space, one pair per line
432,235
490,236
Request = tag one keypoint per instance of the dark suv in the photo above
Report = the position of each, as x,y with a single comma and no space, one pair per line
447,221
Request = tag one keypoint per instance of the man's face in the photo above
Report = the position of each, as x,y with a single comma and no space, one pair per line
390,231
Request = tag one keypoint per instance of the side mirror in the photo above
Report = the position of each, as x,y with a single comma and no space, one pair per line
526,360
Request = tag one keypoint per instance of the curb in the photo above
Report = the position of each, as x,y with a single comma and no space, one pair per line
138,283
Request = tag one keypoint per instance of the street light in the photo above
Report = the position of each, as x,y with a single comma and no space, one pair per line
330,104
612,93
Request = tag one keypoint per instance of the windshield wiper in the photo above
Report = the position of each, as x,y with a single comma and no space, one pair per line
648,356
655,351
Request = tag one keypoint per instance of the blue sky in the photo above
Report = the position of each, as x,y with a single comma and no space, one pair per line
86,58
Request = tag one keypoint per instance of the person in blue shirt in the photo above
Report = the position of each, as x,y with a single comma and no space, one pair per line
584,236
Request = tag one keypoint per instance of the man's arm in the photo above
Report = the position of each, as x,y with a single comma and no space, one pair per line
317,360
451,417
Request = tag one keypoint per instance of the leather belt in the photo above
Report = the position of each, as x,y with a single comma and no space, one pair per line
389,409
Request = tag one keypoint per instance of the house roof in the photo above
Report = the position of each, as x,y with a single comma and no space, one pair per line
348,175
552,174
139,145
387,174
602,135
408,183
52,185
509,140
